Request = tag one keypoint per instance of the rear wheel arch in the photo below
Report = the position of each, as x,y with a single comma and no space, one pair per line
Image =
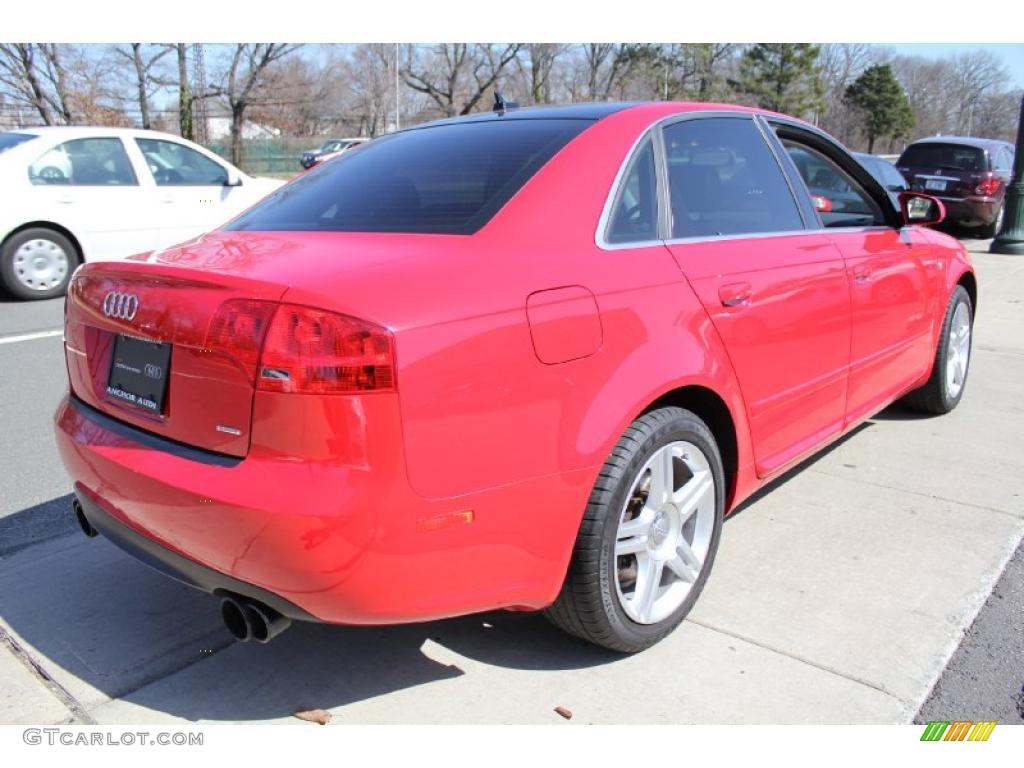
709,406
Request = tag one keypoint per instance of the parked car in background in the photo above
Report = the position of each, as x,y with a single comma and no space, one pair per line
968,175
887,174
74,194
522,360
329,148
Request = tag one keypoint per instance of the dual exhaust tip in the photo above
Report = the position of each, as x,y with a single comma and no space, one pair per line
245,619
249,620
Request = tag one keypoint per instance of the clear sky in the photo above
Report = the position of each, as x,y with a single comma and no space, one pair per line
1011,54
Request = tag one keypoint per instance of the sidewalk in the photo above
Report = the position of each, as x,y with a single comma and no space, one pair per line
837,597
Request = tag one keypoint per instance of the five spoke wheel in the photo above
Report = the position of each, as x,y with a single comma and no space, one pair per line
664,532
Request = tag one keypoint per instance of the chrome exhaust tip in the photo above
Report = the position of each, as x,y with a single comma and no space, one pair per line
249,620
236,619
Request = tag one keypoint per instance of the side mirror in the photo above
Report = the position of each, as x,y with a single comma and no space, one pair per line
234,178
921,209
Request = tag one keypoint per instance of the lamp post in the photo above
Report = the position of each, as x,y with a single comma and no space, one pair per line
1010,239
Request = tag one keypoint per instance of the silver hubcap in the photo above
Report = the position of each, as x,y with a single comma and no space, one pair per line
958,351
40,264
664,532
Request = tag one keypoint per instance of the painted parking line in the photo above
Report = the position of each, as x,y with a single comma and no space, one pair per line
31,336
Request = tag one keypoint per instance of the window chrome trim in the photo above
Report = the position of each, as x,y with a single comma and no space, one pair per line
660,171
810,228
613,195
738,236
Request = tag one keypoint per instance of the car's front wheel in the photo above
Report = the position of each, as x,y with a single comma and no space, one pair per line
37,263
945,388
649,534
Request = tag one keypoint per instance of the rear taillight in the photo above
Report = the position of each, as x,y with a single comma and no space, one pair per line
237,329
312,351
988,187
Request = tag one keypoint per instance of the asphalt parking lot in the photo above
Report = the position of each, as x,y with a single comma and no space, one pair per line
843,594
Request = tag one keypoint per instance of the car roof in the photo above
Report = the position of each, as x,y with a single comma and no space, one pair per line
592,111
969,141
85,131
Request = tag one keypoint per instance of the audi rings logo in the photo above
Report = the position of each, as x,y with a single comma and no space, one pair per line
121,306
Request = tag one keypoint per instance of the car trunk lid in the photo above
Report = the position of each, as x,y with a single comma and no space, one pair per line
136,345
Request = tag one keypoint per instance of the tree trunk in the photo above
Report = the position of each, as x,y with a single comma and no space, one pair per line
871,144
38,97
140,74
237,121
184,96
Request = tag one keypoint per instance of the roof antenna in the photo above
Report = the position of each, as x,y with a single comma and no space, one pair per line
500,104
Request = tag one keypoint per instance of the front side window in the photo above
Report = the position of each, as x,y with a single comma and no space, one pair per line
174,164
88,162
839,200
724,180
444,179
635,212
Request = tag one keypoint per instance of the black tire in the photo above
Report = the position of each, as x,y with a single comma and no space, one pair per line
588,605
7,267
934,396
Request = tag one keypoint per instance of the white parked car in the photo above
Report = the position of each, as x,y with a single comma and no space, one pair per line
73,194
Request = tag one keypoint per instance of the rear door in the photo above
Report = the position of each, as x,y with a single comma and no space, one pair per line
894,274
776,293
90,186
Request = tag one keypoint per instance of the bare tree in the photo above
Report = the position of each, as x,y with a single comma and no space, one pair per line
185,125
974,76
457,75
604,66
146,77
56,74
243,81
841,64
20,74
537,68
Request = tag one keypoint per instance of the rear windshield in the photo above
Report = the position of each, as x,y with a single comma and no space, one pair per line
447,179
945,157
8,140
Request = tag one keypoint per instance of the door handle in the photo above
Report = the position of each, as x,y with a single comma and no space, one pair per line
734,294
861,273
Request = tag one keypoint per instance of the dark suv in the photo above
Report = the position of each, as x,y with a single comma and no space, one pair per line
968,175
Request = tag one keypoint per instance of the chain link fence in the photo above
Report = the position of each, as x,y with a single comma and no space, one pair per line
278,157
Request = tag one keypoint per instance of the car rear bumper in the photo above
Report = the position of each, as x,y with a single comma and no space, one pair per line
971,211
340,542
177,566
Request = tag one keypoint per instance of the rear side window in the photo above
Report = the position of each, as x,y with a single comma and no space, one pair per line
724,180
635,213
944,157
100,162
8,140
448,179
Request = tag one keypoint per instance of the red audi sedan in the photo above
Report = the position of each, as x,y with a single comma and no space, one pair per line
525,360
